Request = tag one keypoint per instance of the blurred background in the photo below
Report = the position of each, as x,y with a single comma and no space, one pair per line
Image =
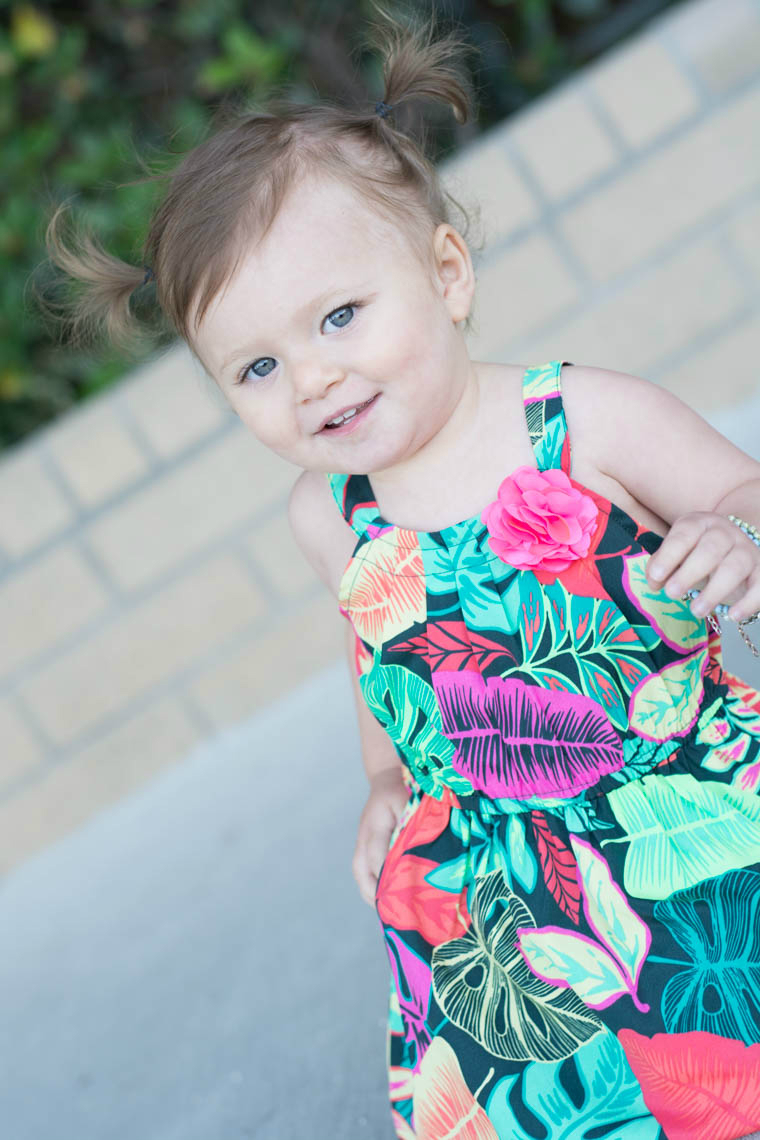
91,93
183,952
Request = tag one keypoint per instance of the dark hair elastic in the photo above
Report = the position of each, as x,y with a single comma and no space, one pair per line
149,274
383,109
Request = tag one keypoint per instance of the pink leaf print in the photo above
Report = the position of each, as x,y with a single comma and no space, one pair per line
451,645
697,1085
559,868
444,1106
413,980
517,740
405,900
383,587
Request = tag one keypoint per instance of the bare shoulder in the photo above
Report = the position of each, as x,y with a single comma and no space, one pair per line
323,535
644,444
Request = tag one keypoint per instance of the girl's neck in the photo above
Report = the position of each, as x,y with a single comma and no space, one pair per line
457,472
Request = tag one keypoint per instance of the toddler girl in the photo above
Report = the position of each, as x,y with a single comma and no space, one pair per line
562,834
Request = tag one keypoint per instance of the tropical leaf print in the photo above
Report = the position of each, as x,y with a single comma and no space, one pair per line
443,1104
403,1131
484,986
598,974
697,1085
517,740
485,851
406,707
405,898
383,587
667,703
671,617
717,925
680,830
608,1102
609,914
747,778
412,978
724,758
451,645
566,958
558,866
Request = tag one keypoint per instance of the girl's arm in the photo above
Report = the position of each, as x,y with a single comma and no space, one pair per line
388,794
674,462
326,542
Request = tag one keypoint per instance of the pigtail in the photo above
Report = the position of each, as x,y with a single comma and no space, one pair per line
419,62
93,294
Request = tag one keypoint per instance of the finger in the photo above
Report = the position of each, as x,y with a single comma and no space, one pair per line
364,879
712,549
680,539
377,850
749,604
731,573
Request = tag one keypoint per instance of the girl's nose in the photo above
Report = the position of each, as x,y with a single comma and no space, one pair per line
312,379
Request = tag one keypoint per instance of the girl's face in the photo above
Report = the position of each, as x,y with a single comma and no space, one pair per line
331,311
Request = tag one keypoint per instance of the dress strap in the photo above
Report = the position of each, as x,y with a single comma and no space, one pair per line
357,504
545,415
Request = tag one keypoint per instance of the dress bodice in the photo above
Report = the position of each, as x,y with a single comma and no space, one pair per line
520,657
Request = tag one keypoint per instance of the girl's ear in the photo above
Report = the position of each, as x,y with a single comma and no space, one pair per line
454,272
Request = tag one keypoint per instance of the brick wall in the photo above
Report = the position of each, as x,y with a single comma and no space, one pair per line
150,593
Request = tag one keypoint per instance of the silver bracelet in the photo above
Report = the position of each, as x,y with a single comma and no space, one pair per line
752,533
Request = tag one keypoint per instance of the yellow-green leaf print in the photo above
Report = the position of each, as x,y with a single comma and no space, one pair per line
667,703
680,830
482,983
671,617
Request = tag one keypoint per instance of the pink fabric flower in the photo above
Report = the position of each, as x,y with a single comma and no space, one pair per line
540,520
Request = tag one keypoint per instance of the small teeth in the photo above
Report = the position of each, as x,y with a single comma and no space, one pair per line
344,417
347,415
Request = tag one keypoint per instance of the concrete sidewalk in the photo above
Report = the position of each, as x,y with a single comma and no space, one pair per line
196,962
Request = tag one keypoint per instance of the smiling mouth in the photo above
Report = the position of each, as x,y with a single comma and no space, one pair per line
347,421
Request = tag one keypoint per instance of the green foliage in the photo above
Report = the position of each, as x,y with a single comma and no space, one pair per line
91,92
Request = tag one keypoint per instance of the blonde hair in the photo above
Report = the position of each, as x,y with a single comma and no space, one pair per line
231,186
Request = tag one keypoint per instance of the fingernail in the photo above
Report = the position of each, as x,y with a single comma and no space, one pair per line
699,609
656,572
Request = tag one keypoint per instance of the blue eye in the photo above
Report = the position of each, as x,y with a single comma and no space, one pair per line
343,309
349,308
252,367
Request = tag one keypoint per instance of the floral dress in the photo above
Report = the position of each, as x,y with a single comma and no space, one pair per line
571,899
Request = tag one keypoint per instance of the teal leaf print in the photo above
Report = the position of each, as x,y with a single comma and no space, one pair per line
717,925
611,1096
486,852
451,875
522,859
584,817
407,708
483,985
680,830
